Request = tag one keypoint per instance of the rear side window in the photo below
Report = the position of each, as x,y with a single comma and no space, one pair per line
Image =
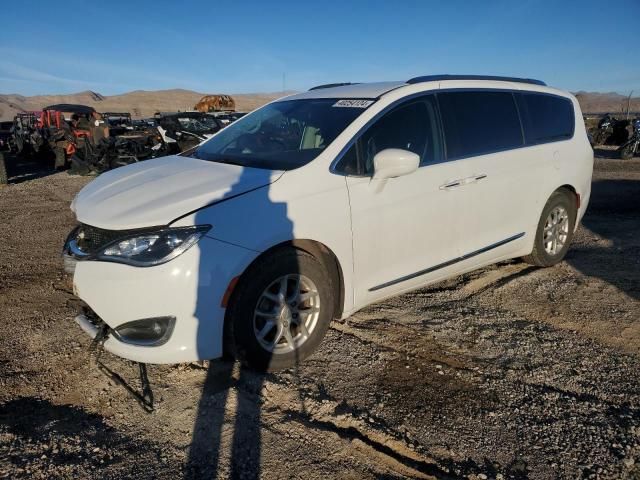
480,122
545,118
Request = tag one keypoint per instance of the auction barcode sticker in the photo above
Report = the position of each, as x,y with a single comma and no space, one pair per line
353,103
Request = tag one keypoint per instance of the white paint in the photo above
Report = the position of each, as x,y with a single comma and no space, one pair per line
380,229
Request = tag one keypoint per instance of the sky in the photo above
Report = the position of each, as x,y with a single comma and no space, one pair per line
114,46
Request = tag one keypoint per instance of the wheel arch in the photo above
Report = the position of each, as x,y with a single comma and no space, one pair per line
319,251
572,190
569,187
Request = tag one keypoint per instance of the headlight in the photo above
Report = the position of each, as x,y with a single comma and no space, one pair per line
152,248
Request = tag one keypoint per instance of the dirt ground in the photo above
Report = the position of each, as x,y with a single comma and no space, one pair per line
507,372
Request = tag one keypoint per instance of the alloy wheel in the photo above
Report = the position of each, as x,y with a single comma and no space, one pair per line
556,230
286,314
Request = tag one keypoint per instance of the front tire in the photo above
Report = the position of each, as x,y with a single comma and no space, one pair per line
280,311
555,230
3,171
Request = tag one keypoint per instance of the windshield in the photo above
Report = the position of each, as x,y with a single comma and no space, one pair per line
282,135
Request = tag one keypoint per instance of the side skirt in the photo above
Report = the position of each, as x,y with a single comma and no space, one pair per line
447,263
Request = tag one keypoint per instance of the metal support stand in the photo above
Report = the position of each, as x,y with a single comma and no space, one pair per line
144,399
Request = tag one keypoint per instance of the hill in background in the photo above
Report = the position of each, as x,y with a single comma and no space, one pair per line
139,103
614,103
142,103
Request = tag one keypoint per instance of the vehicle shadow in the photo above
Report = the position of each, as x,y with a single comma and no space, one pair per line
227,440
21,169
614,216
70,439
611,153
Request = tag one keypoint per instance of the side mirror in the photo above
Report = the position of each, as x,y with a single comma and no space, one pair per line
394,162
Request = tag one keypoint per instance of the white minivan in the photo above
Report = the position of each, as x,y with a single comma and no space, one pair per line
319,204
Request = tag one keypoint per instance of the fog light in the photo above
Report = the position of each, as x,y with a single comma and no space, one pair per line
149,332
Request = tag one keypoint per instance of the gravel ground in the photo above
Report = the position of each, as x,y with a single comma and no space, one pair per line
507,372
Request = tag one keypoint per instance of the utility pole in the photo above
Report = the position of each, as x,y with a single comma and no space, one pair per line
629,104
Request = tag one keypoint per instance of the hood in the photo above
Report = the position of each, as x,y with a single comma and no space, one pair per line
156,192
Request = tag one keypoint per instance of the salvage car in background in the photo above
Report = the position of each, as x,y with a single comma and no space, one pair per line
47,135
632,147
215,103
62,139
118,122
26,136
610,131
6,134
225,118
184,130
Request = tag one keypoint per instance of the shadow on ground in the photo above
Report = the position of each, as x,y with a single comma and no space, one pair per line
614,216
23,169
67,441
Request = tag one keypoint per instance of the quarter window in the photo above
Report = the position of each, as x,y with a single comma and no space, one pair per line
545,118
480,122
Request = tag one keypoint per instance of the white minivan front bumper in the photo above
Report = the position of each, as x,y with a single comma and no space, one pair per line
189,288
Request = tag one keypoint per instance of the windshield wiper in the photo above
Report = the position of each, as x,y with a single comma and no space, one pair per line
226,160
229,161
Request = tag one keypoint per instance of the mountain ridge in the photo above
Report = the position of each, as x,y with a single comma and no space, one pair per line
141,103
144,103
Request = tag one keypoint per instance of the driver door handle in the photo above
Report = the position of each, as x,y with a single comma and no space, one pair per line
450,185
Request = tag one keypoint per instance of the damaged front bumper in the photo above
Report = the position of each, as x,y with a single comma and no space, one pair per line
146,332
168,313
125,340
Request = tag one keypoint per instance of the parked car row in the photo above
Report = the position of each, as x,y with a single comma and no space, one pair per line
85,141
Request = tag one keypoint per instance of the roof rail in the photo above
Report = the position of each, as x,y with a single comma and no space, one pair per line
435,78
331,85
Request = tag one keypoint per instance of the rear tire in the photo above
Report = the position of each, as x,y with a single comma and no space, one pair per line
265,300
555,230
597,138
627,151
4,179
60,161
